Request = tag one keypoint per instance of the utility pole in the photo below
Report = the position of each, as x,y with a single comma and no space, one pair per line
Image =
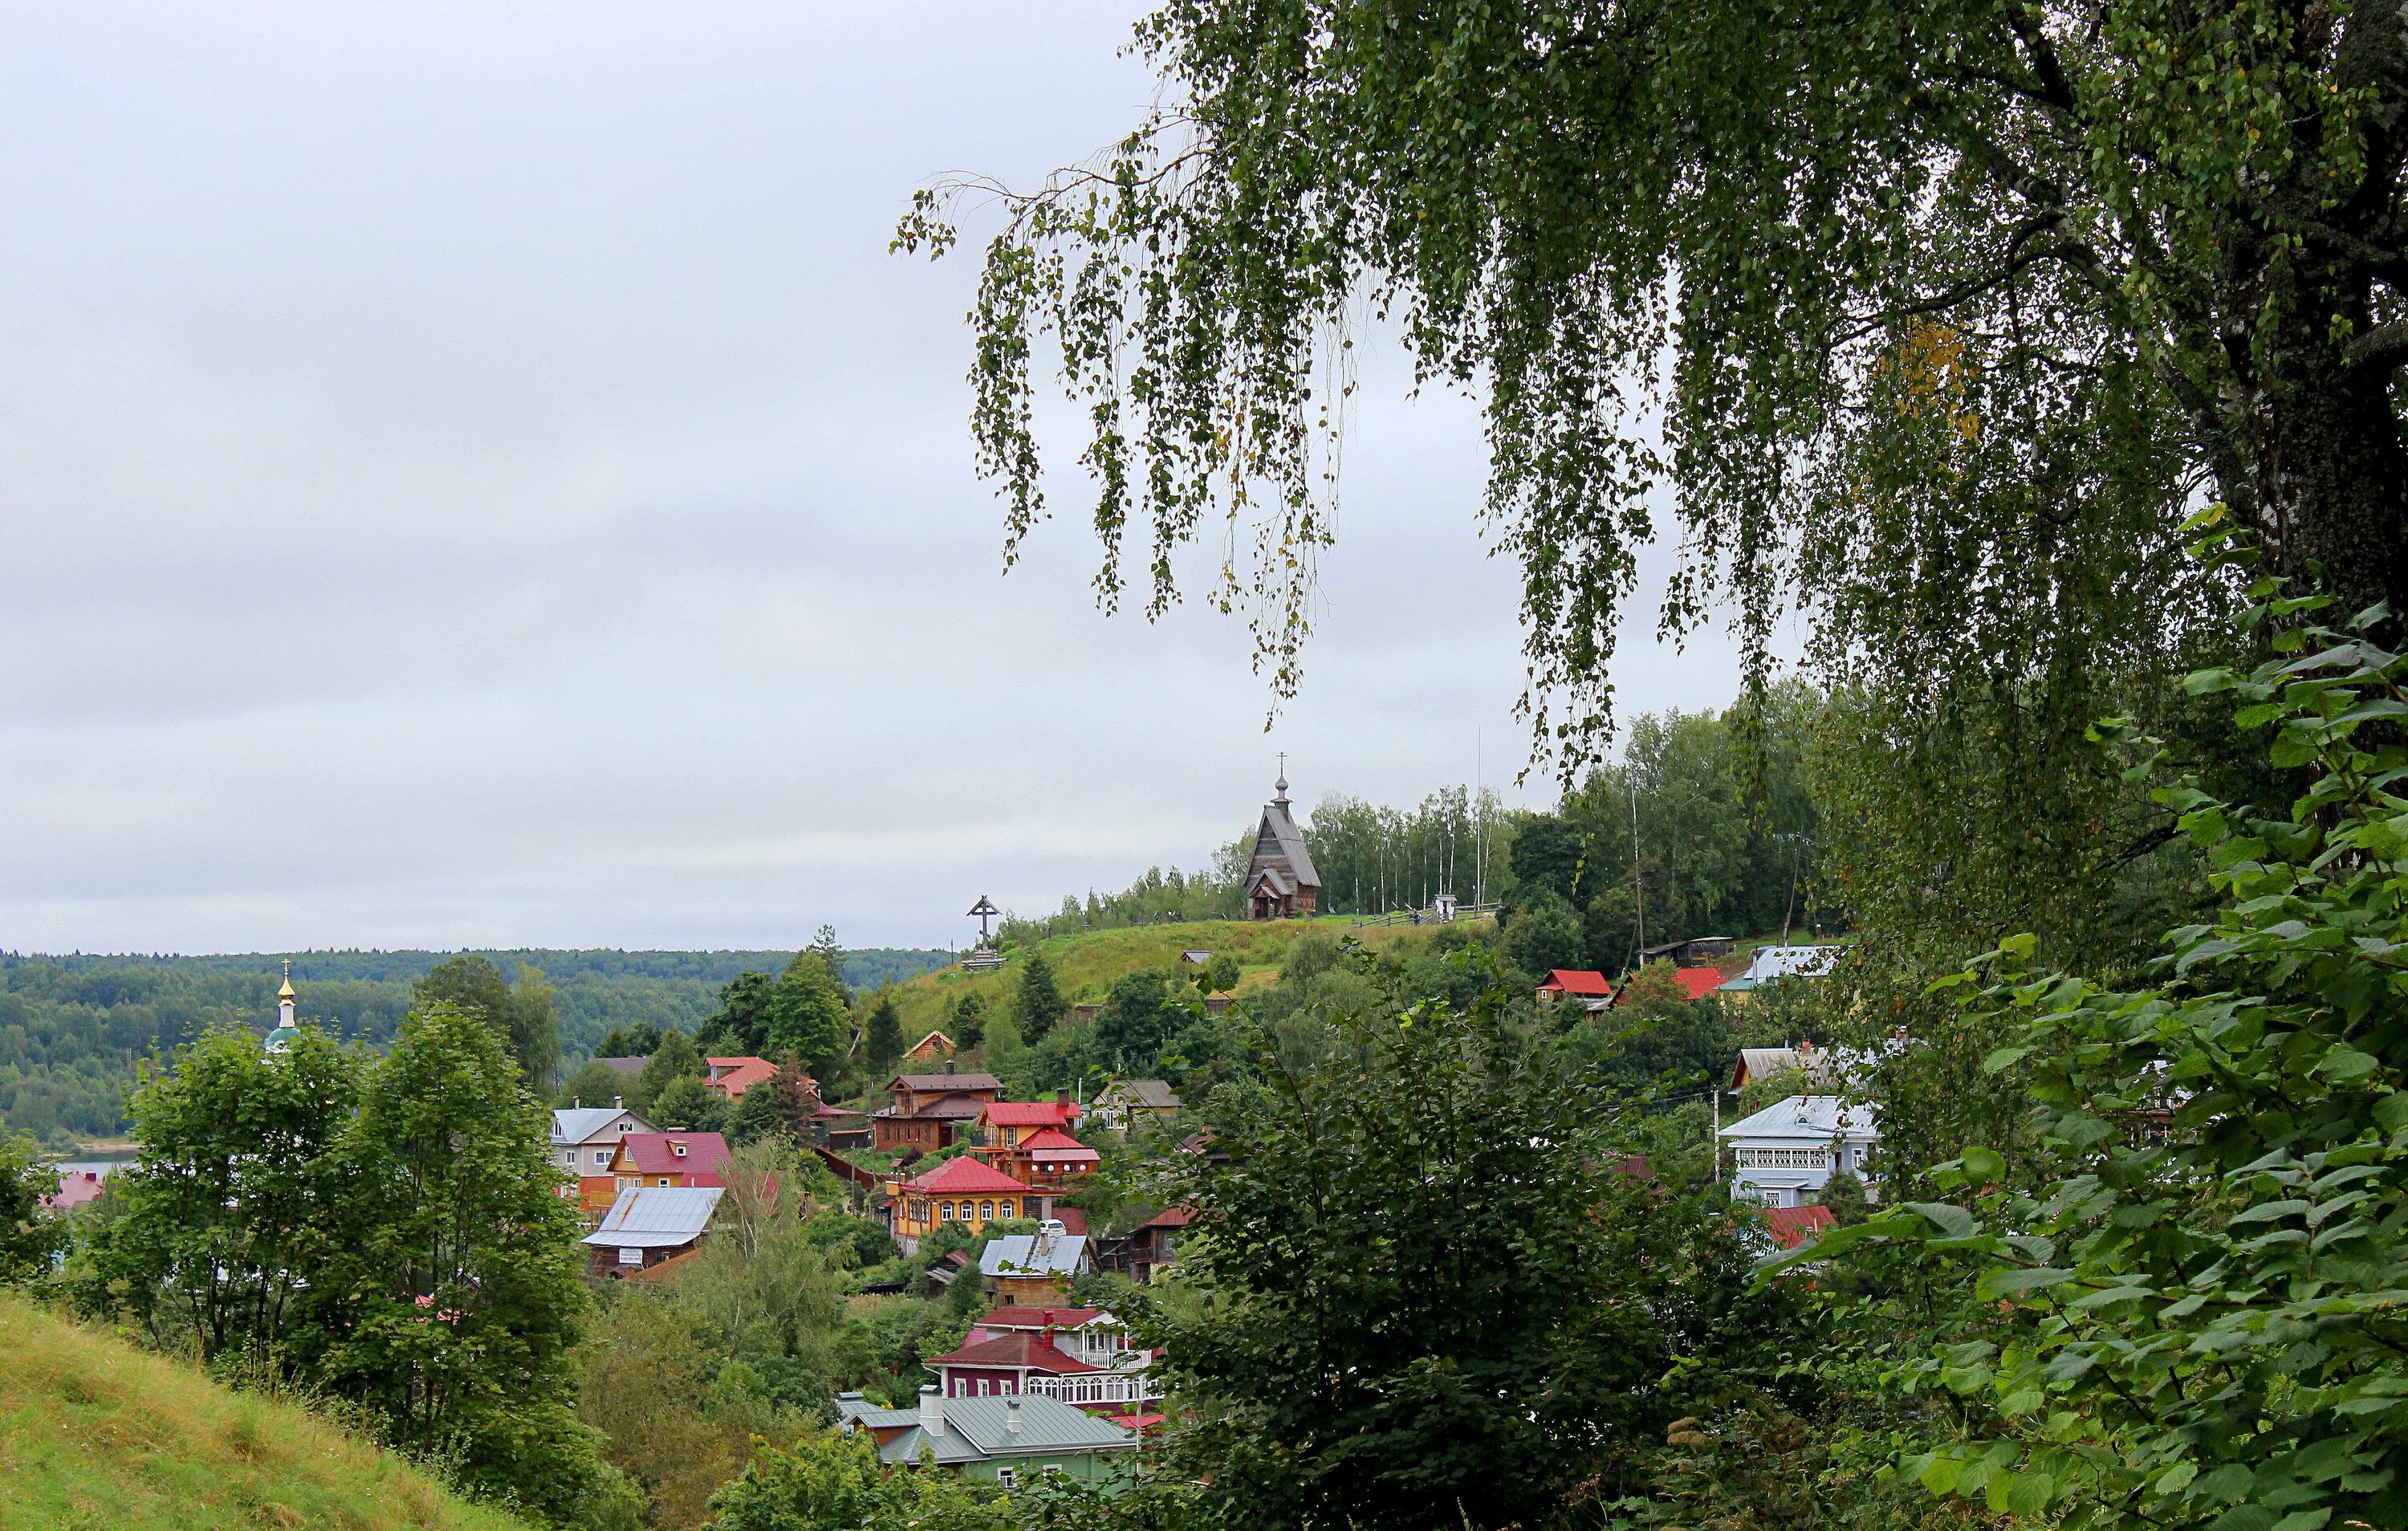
1637,882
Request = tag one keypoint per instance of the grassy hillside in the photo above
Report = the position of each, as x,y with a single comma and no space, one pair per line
94,1433
1086,965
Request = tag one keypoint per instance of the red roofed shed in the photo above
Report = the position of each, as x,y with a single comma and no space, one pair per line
1579,982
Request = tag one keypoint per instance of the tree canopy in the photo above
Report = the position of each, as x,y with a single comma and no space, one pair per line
1936,321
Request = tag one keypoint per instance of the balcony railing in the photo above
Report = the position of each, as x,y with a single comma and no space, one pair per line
1097,1388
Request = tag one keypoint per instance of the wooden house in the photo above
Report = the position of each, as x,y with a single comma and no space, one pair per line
733,1076
649,1225
925,1111
669,1159
960,1190
584,1139
1127,1105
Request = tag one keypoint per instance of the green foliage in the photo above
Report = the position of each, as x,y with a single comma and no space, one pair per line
28,1234
1544,932
832,1482
646,1378
881,1037
1726,837
741,1025
689,1105
1037,1005
1220,975
762,1281
677,1058
1374,858
523,1012
1137,1017
756,1118
386,1231
1429,1299
1933,318
809,1014
640,1039
225,1227
2175,1305
967,1024
72,1027
592,1083
461,1276
1159,896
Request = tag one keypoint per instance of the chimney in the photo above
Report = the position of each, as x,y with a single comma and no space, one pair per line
949,1063
932,1411
1012,1414
1062,1096
576,1101
619,1103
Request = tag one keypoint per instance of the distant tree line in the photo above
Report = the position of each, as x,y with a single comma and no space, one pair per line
72,1028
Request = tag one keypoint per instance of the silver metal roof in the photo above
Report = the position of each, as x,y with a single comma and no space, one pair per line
654,1217
1034,1254
583,1124
1811,1119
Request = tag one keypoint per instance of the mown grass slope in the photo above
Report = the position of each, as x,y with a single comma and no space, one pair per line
94,1433
1085,966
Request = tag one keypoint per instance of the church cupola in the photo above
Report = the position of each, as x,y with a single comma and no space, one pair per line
282,1038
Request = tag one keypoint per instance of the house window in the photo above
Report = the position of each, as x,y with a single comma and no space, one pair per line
1006,1210
665,1179
1784,1158
1006,1477
986,1211
982,1387
601,1158
678,1149
945,1211
630,1257
1052,1469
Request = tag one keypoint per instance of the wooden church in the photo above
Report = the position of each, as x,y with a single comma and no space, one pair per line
1281,882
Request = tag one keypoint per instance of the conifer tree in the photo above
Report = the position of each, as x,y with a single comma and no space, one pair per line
881,1037
969,1021
1038,1005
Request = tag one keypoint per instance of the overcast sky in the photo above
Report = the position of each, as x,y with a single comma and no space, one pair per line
472,474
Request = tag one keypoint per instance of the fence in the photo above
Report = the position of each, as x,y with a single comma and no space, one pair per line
1428,916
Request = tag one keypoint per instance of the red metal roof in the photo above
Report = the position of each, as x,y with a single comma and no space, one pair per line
1699,981
1032,1113
1791,1227
1054,1143
735,1076
1564,980
964,1176
76,1189
1018,1351
1171,1217
656,1153
1039,1318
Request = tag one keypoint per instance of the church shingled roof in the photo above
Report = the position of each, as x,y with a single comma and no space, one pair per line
1287,842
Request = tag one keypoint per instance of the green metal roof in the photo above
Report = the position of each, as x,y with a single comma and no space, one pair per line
980,1428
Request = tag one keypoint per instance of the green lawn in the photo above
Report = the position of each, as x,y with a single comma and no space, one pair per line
1086,965
95,1433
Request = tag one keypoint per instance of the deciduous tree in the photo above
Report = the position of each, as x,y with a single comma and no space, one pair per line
809,1015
